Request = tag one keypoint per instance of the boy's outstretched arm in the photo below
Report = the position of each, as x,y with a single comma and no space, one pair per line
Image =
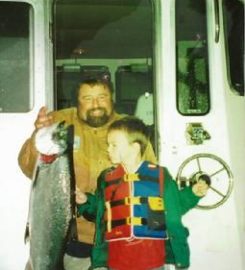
189,196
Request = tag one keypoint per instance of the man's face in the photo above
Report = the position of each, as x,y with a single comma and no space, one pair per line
94,104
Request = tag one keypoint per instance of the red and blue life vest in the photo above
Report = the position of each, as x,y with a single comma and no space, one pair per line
134,203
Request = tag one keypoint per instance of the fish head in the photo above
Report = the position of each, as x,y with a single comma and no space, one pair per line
54,139
60,136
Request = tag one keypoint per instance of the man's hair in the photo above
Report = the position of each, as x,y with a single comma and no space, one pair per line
103,80
135,130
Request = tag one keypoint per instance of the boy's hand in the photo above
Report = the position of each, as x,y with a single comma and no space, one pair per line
200,188
81,197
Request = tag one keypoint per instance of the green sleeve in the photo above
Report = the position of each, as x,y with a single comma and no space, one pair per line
187,199
89,207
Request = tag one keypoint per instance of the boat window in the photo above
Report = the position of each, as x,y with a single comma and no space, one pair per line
192,57
233,11
15,94
105,38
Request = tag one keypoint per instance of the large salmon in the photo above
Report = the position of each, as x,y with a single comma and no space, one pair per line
52,198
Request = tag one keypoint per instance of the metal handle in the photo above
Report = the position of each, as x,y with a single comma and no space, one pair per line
217,22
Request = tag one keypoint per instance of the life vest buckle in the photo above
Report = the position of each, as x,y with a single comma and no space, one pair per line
132,200
136,221
130,177
156,203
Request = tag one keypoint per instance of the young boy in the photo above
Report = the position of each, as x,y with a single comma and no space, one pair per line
138,206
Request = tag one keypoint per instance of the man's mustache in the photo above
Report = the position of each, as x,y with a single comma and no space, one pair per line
99,108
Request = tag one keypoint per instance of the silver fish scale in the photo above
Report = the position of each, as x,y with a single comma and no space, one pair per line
50,213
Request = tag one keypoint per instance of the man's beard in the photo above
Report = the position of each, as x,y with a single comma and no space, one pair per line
97,121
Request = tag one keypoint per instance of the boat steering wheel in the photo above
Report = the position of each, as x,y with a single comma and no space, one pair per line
214,171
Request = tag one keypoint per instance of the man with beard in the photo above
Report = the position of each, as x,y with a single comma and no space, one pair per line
91,118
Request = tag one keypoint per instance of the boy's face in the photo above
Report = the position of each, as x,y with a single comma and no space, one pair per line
94,104
119,148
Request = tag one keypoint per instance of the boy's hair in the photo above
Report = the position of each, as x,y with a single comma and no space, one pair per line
135,130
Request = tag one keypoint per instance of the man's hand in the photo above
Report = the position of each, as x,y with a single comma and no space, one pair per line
43,119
